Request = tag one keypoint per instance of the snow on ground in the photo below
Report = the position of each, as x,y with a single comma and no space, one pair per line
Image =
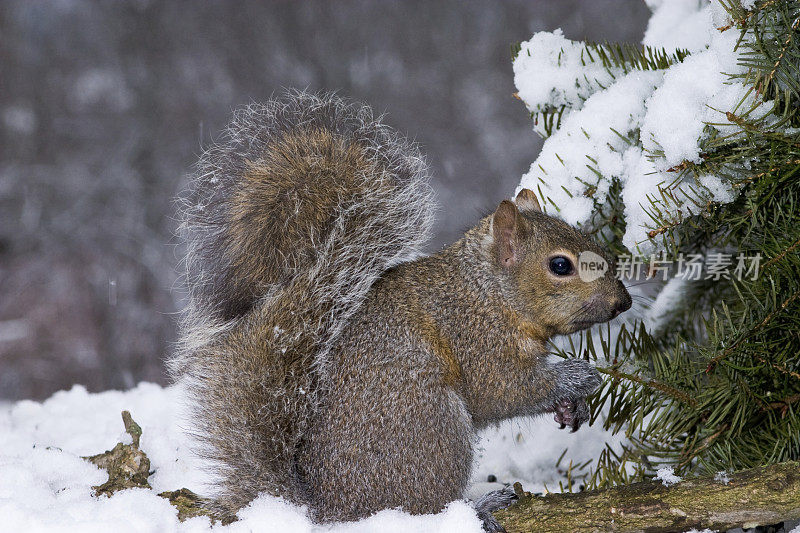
46,486
635,127
527,450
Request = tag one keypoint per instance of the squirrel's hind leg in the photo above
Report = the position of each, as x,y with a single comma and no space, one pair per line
385,440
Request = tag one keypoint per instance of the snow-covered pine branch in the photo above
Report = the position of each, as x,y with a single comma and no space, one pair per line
624,118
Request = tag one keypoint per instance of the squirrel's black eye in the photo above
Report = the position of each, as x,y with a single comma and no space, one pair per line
560,266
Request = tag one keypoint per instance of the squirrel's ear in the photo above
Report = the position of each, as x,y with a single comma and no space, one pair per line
505,230
526,201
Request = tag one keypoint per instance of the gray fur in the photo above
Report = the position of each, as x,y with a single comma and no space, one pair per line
325,362
307,304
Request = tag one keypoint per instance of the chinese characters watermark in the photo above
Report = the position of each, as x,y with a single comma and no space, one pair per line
692,267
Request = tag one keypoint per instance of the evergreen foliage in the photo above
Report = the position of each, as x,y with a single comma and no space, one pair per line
617,58
717,386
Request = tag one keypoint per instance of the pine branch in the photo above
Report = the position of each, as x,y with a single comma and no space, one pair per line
715,361
617,59
652,384
628,56
718,385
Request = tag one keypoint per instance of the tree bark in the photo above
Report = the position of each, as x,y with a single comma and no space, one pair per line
758,496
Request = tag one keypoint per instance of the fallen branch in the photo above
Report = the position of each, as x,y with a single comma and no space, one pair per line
749,498
128,467
126,464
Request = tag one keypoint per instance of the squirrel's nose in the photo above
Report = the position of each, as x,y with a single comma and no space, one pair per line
620,306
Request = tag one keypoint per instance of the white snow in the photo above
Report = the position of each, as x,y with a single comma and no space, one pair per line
678,24
552,73
590,132
667,476
635,127
526,450
46,486
668,299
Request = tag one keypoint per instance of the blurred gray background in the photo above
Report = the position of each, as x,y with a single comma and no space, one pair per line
104,107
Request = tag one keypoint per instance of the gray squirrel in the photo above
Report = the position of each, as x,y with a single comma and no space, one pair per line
329,362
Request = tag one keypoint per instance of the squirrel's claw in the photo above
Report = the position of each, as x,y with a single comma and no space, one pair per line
571,413
563,414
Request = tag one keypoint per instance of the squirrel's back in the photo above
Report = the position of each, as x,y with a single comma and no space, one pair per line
287,223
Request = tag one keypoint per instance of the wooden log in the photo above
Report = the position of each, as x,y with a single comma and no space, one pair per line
748,498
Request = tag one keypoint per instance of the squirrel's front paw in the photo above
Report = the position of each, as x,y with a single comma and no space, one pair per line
571,413
576,380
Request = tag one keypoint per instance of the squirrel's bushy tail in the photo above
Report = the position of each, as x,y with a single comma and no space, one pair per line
288,222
